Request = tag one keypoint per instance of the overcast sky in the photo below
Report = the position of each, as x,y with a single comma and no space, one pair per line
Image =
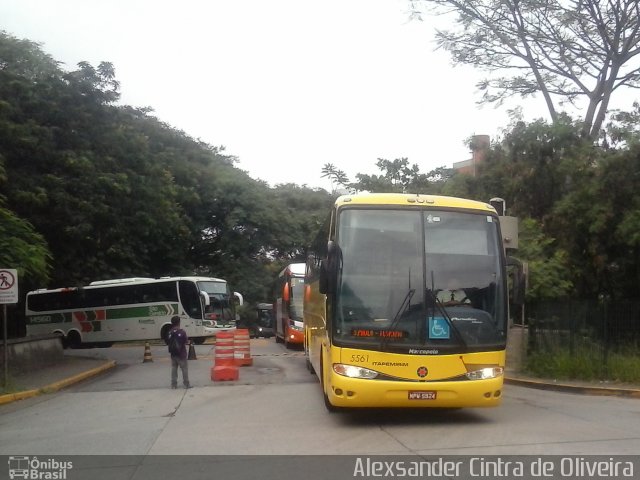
285,86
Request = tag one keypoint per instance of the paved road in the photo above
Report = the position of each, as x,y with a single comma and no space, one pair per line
276,408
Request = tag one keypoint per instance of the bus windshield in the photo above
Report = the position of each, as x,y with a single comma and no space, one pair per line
218,292
419,280
221,310
297,297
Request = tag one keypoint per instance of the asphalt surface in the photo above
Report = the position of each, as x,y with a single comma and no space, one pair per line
74,369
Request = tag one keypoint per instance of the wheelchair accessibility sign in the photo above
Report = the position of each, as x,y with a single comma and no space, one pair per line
439,328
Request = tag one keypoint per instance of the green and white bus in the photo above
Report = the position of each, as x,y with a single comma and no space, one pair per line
126,309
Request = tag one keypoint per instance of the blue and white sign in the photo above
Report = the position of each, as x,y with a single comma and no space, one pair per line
439,328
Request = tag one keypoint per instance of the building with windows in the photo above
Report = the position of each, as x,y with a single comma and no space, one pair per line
479,148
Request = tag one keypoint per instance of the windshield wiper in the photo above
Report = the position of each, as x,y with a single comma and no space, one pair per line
403,306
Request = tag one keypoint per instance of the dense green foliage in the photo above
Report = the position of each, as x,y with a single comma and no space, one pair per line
585,364
93,190
90,190
582,195
576,201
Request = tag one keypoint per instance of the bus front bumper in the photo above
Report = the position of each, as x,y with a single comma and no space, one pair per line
295,336
212,331
358,393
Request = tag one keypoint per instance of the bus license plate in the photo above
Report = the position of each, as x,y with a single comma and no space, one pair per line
422,395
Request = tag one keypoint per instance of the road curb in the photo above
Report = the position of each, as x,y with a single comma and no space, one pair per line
569,388
55,386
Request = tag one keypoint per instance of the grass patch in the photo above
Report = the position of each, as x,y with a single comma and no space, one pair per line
586,364
10,387
624,368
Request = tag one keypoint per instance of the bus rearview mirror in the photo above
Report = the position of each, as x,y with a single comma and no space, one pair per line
329,269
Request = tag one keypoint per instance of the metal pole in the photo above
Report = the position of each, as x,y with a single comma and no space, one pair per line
5,347
605,335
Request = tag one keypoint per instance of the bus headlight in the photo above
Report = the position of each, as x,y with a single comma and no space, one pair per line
352,371
485,373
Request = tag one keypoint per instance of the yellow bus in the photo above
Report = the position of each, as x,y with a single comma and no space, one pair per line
406,303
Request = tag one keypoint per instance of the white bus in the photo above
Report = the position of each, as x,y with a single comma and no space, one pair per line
110,311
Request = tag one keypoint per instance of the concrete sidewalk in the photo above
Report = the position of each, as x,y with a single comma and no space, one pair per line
574,386
68,371
74,369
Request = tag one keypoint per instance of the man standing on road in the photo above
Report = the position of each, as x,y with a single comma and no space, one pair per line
177,341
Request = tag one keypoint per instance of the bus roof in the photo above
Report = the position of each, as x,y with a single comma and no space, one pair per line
412,199
294,269
128,281
121,280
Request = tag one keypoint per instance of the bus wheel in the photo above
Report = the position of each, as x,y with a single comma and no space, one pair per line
307,359
329,406
73,339
63,340
164,333
309,366
199,340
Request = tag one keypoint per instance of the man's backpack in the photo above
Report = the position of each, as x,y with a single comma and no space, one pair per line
174,343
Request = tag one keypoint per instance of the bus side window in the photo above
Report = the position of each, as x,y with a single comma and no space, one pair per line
190,299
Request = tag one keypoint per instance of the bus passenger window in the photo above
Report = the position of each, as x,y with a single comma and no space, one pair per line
190,299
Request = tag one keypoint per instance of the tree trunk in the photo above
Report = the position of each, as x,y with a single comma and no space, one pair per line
604,94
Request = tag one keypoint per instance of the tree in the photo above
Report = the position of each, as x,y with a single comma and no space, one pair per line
22,247
535,165
25,58
335,176
624,127
549,276
398,176
576,51
598,224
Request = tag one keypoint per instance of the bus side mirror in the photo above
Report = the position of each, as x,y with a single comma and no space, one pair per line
205,298
329,269
238,298
323,283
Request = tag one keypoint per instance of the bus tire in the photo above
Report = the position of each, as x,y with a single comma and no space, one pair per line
312,371
73,339
307,359
164,333
63,340
327,403
199,340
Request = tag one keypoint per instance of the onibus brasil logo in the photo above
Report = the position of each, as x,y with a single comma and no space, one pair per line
38,469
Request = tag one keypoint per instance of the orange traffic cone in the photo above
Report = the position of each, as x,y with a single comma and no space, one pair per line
147,353
192,352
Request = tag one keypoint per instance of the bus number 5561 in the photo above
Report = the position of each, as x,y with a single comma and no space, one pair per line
360,358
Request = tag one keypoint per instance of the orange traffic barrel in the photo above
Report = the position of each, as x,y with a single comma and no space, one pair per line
242,347
223,361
